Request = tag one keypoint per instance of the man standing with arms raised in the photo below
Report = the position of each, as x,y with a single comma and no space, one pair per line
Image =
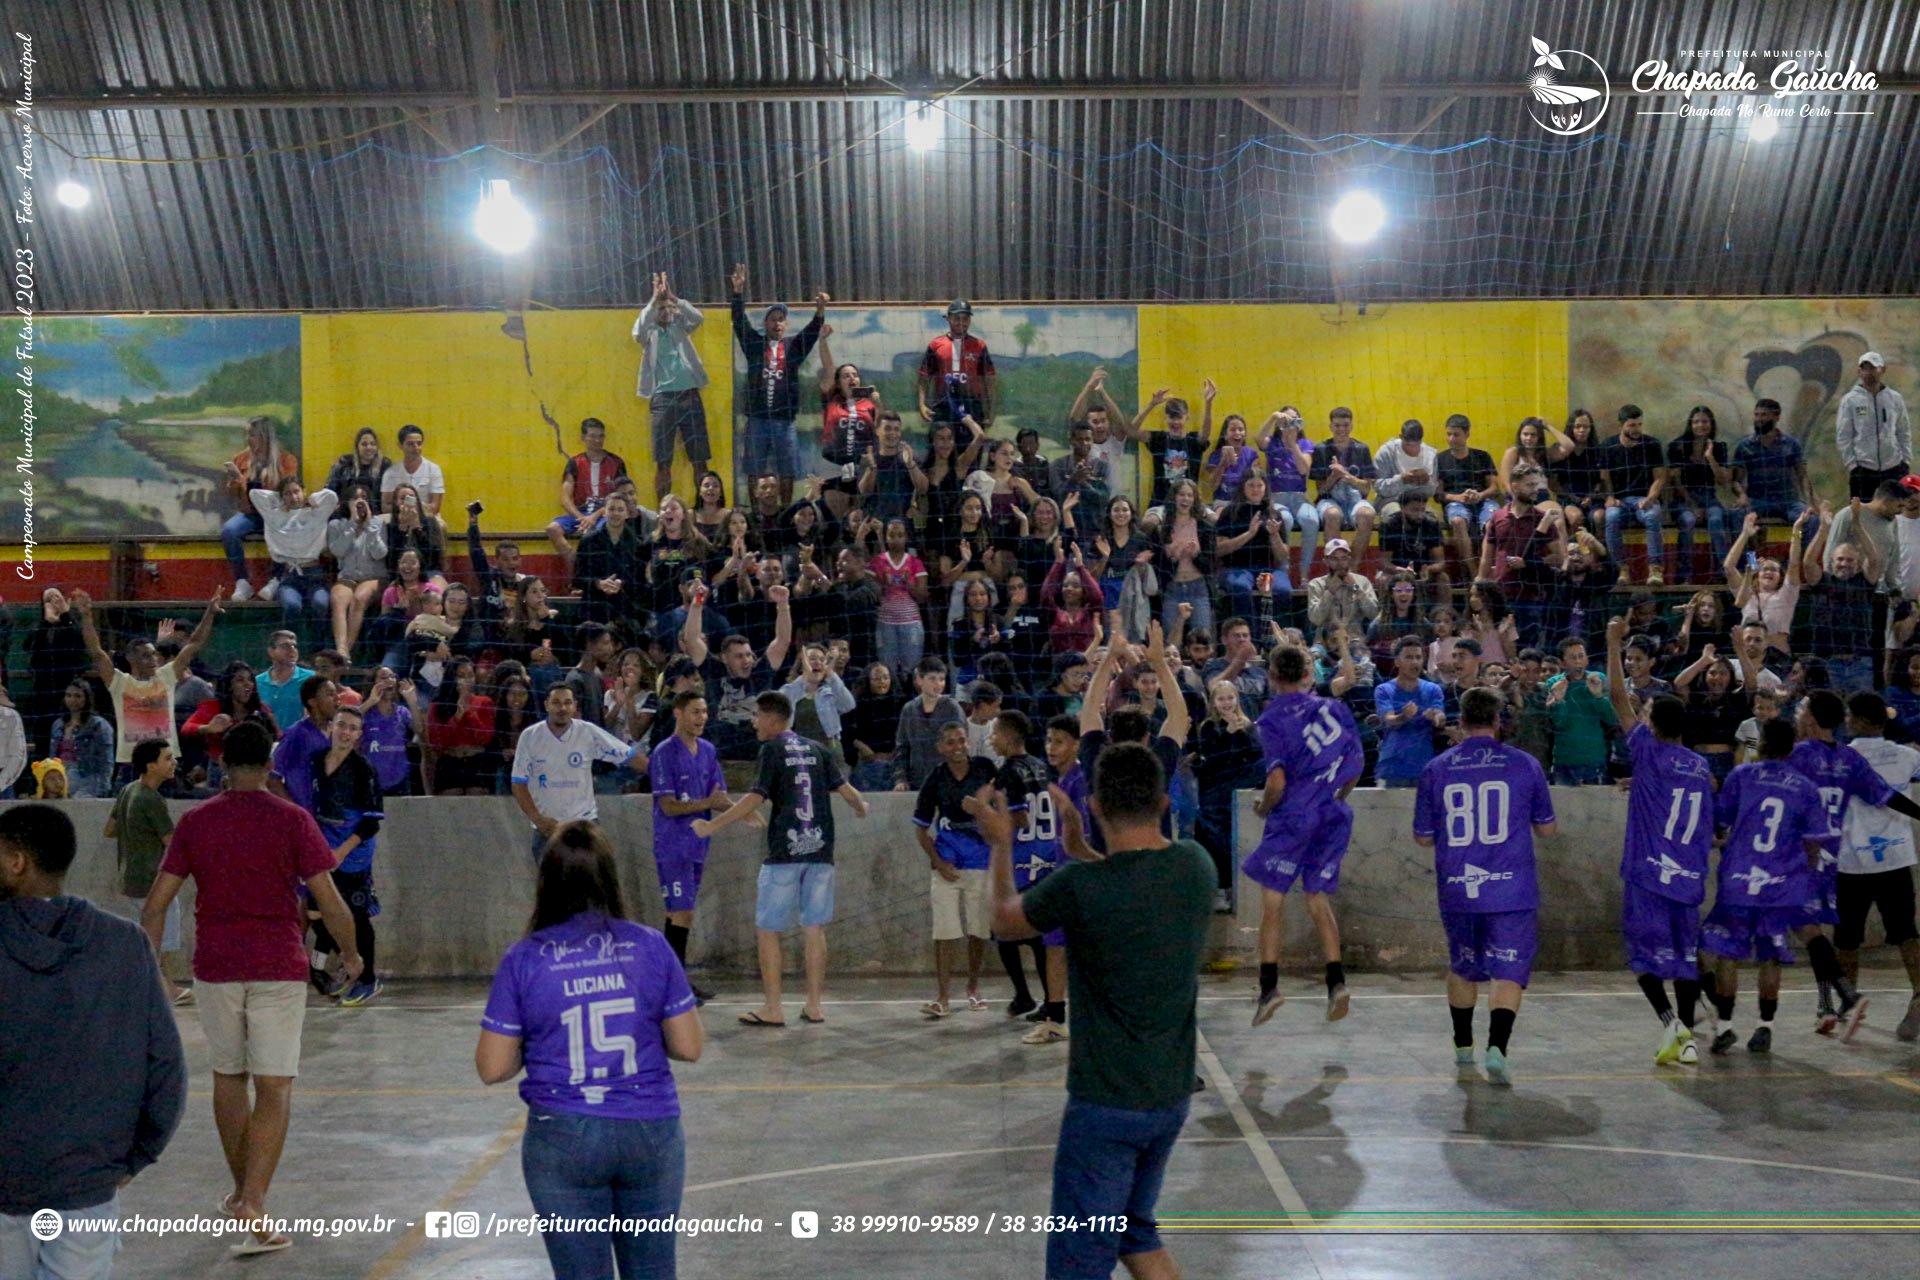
772,394
1136,929
245,851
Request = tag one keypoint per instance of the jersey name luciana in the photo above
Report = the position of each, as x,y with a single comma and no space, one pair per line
593,984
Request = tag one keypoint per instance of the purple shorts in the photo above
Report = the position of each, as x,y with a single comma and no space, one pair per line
1058,938
679,879
1491,946
1823,898
1759,933
1663,936
1310,857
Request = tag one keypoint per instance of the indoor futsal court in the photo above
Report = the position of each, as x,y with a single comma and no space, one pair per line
1026,638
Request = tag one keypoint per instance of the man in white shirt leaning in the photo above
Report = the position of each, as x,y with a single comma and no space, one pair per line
1877,857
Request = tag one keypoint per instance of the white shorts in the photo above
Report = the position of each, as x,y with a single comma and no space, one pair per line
252,1028
960,906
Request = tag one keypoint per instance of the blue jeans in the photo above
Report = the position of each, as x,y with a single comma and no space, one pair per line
1194,593
1718,535
1787,509
233,534
589,1167
1240,597
302,590
1654,522
899,646
1476,520
1109,1164
770,448
1579,775
73,1255
1297,513
1529,617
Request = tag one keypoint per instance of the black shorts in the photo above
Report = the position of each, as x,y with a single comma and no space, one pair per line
682,413
462,772
1891,892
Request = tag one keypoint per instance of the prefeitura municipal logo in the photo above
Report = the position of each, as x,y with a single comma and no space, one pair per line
1559,104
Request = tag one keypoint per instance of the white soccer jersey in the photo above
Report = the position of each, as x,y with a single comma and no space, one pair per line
558,771
1880,839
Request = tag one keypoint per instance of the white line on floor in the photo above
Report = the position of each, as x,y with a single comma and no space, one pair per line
1270,1166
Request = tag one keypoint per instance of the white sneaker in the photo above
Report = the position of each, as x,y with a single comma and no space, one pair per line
1044,1033
269,591
242,591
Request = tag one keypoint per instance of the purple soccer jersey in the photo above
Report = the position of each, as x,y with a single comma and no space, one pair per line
1316,741
1479,803
1842,776
1669,819
1770,810
586,1000
684,775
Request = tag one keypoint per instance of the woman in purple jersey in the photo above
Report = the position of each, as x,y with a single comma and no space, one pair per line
593,1005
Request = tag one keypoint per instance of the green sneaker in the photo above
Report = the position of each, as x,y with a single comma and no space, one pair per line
1497,1067
1689,1053
1463,1055
1669,1052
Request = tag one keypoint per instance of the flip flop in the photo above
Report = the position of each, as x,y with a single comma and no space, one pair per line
807,1017
226,1205
936,1009
254,1245
755,1020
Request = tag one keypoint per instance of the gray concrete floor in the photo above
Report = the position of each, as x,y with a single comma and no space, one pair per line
1362,1128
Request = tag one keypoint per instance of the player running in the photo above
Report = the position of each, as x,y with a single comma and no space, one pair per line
1479,807
1313,756
1665,858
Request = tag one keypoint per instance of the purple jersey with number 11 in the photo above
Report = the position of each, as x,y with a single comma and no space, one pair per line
1479,803
1669,819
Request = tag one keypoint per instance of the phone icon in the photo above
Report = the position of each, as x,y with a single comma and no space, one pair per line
806,1224
439,1225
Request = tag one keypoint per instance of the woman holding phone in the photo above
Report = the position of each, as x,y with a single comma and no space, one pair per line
594,1005
849,416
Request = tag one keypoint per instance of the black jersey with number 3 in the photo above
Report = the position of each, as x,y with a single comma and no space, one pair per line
798,780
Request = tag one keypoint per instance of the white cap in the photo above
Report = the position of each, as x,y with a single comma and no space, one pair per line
1875,359
1338,544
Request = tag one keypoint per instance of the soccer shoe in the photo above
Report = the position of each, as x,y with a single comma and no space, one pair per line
1826,1020
700,994
242,591
1852,1013
1044,1033
320,980
1266,1005
363,993
1463,1055
1909,1028
1019,1005
341,987
271,590
1337,1002
1497,1072
1669,1051
1761,1041
1723,1041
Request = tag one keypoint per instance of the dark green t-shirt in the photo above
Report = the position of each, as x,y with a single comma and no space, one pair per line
1136,934
141,825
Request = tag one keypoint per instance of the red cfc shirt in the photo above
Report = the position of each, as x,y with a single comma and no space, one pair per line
592,481
245,852
971,361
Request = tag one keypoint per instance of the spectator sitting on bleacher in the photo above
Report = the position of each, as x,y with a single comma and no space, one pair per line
236,700
414,470
366,465
586,481
261,465
1340,599
610,573
83,741
359,547
280,685
501,581
296,531
409,528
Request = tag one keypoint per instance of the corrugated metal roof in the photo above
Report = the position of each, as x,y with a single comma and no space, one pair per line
1103,194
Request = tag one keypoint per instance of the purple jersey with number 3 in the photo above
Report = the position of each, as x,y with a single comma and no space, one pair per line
1769,810
1479,803
1669,819
1316,741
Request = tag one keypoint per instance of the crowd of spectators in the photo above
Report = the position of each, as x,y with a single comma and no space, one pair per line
893,580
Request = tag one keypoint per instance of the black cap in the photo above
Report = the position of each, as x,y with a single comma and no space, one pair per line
781,307
959,307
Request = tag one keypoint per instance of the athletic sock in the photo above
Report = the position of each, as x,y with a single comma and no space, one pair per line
1016,968
1056,1011
1826,988
1336,975
1826,966
1686,994
1501,1028
1656,993
677,939
1767,1009
1462,1026
1269,977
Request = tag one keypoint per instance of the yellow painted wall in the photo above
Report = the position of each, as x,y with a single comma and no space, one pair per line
1496,362
467,385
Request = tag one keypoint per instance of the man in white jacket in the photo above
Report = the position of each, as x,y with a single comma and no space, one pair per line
671,376
1873,430
296,533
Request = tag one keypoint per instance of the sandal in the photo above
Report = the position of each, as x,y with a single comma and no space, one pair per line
255,1244
755,1020
807,1017
935,1009
974,1003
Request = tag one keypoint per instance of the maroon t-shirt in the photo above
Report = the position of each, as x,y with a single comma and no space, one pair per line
245,852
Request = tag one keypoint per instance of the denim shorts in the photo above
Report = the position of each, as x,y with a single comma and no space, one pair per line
770,448
1109,1165
790,889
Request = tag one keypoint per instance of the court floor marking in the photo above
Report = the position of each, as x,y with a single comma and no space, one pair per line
396,1256
1263,1155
